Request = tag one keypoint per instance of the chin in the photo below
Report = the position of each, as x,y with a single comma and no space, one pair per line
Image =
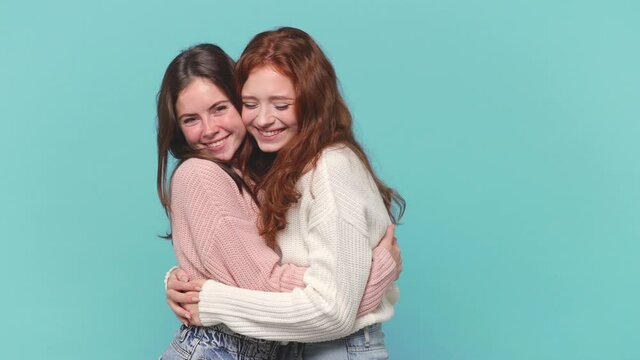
226,157
270,148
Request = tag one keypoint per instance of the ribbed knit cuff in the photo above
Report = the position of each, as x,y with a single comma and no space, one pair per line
383,273
166,277
292,278
207,303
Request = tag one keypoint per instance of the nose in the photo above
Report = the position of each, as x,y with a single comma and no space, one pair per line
264,118
209,128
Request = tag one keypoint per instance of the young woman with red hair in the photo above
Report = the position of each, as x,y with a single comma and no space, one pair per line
318,196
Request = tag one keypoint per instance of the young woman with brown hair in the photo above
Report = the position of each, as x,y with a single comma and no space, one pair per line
318,195
212,210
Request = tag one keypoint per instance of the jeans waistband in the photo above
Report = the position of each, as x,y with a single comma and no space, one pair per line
223,329
367,330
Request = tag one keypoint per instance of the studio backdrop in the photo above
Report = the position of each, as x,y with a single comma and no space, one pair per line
510,127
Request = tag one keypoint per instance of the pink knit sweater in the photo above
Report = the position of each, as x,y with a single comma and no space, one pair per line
215,237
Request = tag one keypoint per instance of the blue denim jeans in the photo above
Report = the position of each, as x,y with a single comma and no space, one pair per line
220,343
365,344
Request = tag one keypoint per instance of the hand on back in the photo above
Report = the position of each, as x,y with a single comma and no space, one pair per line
183,296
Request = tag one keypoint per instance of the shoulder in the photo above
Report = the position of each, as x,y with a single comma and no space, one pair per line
196,170
340,162
339,171
338,157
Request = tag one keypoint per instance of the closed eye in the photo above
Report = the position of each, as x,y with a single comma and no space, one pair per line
189,121
220,109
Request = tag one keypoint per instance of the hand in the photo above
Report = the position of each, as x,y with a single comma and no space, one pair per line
390,243
181,291
195,314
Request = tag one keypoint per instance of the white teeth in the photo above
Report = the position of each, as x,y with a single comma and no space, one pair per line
216,144
271,133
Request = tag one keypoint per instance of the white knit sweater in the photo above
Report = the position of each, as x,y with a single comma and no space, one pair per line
333,228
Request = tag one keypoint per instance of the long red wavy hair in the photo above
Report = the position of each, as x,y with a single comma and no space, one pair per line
323,120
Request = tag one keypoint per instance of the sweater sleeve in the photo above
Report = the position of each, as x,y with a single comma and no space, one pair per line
224,237
339,256
383,274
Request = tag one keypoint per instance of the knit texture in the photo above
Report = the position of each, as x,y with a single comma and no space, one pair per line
333,229
215,237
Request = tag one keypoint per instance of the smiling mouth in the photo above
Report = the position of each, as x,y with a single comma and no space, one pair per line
216,144
270,133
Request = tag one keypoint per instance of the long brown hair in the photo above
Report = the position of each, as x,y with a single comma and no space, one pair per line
323,120
206,61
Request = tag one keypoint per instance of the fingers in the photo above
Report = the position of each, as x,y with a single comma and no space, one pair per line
181,313
395,251
190,297
391,231
175,284
183,321
198,284
195,314
387,239
181,291
181,274
397,257
196,321
399,260
172,274
398,269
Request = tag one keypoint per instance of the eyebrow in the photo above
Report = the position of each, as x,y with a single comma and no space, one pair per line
210,107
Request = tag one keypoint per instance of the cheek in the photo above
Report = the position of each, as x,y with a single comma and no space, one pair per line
290,118
240,130
191,135
247,116
233,124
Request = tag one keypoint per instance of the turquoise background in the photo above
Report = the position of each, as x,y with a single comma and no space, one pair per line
511,127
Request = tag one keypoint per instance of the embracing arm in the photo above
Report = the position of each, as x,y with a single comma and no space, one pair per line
339,255
207,206
384,271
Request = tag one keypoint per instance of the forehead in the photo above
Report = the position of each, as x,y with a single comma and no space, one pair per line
267,81
198,95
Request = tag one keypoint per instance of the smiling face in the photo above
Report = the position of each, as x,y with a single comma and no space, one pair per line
208,120
268,112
